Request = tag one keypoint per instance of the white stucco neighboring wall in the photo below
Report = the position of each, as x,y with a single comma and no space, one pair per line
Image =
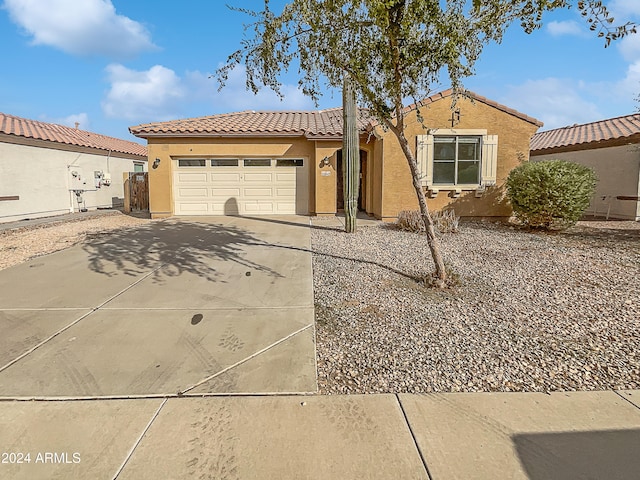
42,179
618,171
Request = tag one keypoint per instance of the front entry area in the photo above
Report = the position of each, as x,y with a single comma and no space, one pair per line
240,186
362,190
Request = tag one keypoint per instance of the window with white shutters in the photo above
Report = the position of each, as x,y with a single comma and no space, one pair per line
457,158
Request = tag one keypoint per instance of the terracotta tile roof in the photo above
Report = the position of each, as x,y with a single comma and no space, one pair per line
312,124
474,96
50,132
619,130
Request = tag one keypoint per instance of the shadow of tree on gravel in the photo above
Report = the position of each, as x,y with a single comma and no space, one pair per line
172,248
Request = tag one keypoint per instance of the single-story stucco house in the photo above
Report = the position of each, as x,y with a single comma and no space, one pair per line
612,149
42,165
252,163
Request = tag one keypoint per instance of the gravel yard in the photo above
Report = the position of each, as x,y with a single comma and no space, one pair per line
22,244
534,311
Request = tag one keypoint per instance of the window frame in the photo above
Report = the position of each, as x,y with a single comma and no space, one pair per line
456,160
488,159
294,160
213,160
202,165
245,160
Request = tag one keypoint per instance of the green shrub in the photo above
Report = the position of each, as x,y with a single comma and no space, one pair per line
551,193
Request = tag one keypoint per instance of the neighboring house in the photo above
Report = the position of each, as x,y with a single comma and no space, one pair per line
612,149
252,163
42,164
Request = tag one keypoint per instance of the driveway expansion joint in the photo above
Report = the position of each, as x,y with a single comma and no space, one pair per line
413,437
135,445
617,392
250,357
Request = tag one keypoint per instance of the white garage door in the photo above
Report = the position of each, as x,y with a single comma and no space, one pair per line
230,186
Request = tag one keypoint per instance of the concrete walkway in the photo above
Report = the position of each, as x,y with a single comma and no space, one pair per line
583,435
218,305
177,347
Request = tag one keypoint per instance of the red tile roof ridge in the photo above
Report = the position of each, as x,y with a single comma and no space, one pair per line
465,93
38,130
610,129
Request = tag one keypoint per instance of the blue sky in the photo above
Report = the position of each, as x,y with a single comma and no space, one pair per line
110,64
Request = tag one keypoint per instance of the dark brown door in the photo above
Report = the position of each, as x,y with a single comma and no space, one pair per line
139,191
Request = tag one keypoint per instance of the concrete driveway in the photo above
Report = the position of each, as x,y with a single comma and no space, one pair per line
188,306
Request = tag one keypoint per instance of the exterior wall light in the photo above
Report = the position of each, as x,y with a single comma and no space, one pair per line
156,162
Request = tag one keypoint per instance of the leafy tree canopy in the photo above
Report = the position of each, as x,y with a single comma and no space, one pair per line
392,49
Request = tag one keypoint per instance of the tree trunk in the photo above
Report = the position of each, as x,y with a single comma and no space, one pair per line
432,241
350,155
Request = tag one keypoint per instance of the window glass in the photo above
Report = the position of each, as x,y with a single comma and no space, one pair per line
138,167
224,162
289,162
257,162
468,172
468,148
192,162
444,148
444,172
456,160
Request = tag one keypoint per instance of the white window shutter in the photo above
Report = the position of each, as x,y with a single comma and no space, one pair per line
424,157
489,159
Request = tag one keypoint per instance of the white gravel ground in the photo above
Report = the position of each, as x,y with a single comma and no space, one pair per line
17,246
534,311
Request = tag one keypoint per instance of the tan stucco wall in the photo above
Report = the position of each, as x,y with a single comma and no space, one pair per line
618,171
325,177
160,179
397,192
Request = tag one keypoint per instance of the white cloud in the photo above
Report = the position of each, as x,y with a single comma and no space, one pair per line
70,120
623,9
82,119
153,94
557,102
235,96
159,94
80,27
567,27
630,47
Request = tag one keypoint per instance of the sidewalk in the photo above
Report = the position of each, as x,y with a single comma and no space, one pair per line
436,436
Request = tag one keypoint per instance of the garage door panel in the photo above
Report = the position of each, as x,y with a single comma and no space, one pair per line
258,207
192,192
192,177
265,177
286,177
200,207
227,207
218,192
229,190
285,192
286,208
225,177
258,192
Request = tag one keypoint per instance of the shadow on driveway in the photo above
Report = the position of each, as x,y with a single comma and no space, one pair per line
609,454
174,246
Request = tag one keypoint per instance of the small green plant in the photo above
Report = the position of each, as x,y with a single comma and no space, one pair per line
444,221
550,194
